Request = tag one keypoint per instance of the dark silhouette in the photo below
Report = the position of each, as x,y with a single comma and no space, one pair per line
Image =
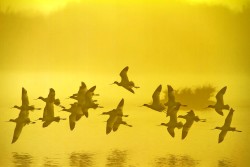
156,104
227,126
25,102
23,117
173,123
85,100
129,85
48,113
190,118
171,100
75,112
115,118
219,106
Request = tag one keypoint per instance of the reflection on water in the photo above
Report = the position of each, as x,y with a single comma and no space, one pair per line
81,159
50,162
175,161
22,160
117,158
225,163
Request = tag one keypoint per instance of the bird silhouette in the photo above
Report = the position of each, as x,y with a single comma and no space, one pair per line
22,120
125,82
171,100
113,116
76,112
156,104
51,93
119,122
173,123
227,126
190,117
219,105
25,102
48,112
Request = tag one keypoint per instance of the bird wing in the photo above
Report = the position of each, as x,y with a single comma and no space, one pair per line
110,123
171,97
72,121
17,131
156,95
185,130
229,118
222,135
219,111
117,123
45,112
120,105
171,131
130,89
219,95
124,76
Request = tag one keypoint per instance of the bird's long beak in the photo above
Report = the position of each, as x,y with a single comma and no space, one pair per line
111,84
100,107
203,120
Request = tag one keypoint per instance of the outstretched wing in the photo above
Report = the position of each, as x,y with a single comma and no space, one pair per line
229,118
171,131
156,95
17,132
25,99
171,97
124,75
222,135
72,121
117,123
184,132
110,123
220,94
120,105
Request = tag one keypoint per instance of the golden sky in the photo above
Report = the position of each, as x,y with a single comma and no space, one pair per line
47,6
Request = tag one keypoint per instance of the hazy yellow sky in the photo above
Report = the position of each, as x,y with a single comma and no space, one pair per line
47,6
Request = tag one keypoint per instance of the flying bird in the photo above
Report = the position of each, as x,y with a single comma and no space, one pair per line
219,105
171,100
227,126
190,117
156,104
173,123
125,82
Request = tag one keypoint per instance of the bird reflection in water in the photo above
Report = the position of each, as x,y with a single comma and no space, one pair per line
81,159
225,163
22,160
175,161
117,158
49,162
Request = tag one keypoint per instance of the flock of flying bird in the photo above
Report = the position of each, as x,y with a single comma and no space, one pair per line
84,102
